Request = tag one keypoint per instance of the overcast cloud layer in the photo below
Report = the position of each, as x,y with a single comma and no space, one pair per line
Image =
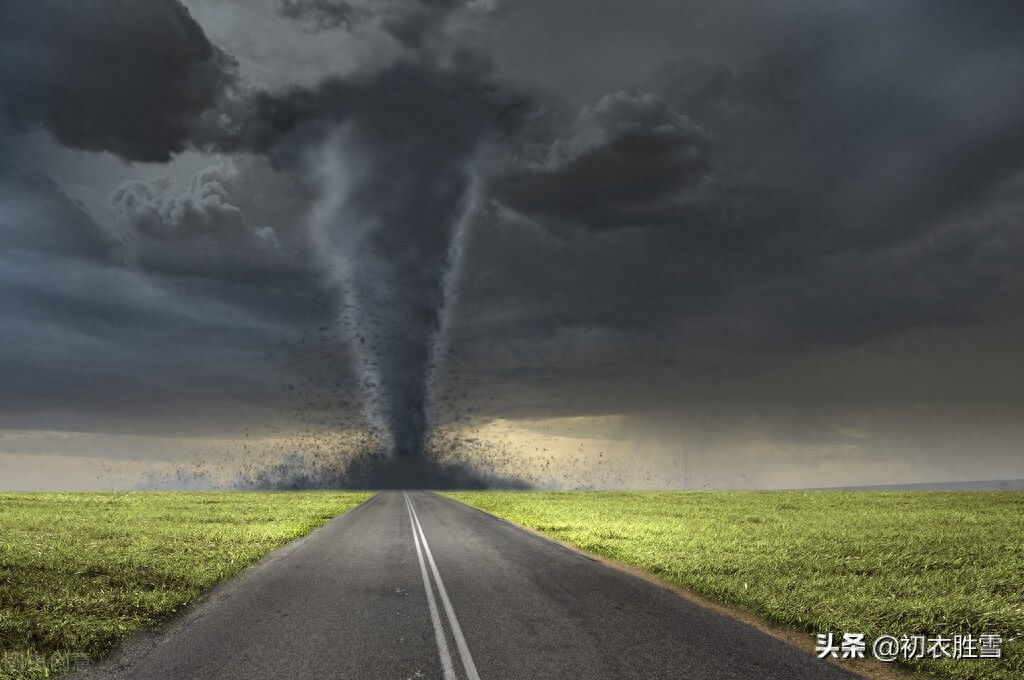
752,230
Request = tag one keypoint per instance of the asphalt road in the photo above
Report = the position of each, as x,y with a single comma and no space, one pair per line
418,586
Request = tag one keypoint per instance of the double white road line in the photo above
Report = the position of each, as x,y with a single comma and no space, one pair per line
442,642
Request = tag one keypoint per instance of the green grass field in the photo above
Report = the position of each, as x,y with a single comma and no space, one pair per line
859,562
78,571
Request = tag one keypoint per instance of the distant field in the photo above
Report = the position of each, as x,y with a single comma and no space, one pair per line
874,562
78,571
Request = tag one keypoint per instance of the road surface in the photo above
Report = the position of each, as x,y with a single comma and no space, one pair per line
414,585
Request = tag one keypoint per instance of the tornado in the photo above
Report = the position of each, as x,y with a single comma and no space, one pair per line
397,159
397,175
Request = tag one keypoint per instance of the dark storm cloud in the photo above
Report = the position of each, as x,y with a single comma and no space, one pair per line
110,75
410,22
181,340
321,14
198,230
794,187
401,97
861,183
626,157
39,217
820,194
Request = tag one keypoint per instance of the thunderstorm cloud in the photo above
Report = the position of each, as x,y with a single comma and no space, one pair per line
777,243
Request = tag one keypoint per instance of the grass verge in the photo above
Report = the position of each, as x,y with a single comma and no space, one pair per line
79,571
898,563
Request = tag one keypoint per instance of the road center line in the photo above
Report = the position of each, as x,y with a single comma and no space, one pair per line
435,617
460,641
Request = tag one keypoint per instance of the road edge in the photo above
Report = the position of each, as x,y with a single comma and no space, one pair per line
871,669
129,649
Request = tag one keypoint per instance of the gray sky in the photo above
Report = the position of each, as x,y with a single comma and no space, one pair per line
644,244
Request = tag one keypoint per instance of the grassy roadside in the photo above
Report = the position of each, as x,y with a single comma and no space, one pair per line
78,571
867,562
